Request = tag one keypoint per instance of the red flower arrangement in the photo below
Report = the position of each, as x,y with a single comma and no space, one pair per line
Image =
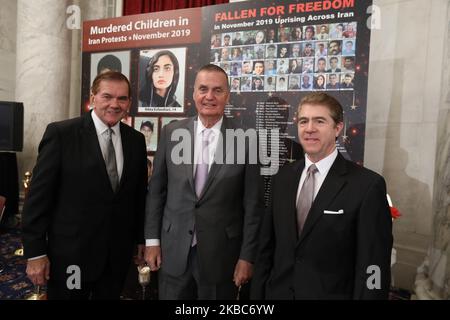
394,211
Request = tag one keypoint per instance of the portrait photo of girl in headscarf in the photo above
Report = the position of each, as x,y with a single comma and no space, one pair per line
162,76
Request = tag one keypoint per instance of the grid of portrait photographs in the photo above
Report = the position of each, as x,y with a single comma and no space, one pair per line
304,58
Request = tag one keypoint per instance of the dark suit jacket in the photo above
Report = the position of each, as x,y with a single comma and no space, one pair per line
226,216
331,257
71,213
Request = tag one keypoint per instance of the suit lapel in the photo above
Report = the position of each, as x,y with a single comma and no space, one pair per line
190,166
292,188
126,149
333,183
89,141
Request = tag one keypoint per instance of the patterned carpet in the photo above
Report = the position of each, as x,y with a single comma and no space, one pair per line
14,283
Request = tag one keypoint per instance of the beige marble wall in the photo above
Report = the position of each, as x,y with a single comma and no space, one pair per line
8,27
404,97
433,276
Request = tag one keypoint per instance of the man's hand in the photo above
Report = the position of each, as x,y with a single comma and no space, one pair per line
242,272
38,271
153,257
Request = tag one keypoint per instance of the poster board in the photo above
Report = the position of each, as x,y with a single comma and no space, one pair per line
274,53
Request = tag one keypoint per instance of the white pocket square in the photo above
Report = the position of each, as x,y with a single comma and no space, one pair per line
333,212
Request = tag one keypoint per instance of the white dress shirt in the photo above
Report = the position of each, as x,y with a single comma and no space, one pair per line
323,166
198,136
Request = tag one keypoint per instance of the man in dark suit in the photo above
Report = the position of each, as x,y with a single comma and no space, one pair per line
328,231
203,210
84,212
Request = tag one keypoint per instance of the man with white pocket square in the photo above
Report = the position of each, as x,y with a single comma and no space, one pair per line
327,233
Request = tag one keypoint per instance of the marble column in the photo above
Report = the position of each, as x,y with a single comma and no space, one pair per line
433,276
42,70
48,65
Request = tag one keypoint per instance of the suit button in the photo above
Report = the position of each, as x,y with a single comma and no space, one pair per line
190,232
197,205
